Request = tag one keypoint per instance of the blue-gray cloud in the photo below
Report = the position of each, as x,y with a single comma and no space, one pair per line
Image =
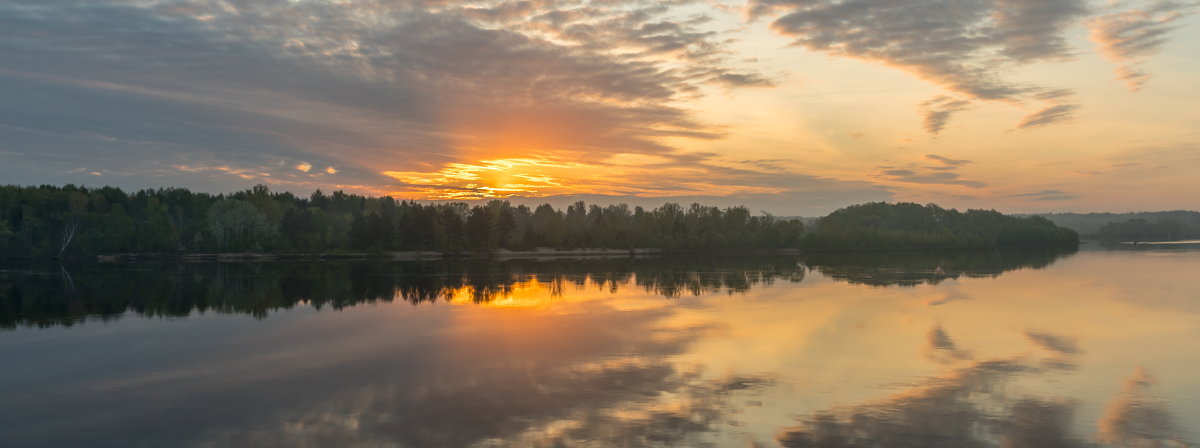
223,95
145,86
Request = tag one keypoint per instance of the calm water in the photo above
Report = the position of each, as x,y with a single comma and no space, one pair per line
1096,348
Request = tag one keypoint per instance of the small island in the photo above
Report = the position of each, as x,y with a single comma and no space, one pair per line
909,226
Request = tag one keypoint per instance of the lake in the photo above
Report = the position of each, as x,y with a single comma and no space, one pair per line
962,349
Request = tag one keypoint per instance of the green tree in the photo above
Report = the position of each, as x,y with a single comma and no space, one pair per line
237,225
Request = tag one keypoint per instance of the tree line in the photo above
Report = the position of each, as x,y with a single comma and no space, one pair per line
72,221
1141,230
1175,224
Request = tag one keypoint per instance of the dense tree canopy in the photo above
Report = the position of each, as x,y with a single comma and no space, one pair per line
881,225
71,221
51,221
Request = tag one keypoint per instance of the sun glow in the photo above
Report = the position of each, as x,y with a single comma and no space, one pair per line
624,174
497,178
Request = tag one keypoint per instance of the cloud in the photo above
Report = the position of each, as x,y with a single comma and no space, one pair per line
927,175
679,177
938,111
963,46
743,80
1051,115
1129,37
138,88
946,160
1045,195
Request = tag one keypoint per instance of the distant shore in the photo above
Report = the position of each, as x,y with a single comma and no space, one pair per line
1159,243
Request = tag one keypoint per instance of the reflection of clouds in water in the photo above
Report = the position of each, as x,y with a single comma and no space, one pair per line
700,406
595,374
941,348
650,404
1138,419
970,407
1062,349
952,296
1053,342
967,407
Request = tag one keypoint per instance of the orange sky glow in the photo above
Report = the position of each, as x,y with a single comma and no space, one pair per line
796,108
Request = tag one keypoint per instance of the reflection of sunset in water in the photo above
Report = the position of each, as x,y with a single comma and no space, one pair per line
991,351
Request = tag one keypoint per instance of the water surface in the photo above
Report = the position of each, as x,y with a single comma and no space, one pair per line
962,349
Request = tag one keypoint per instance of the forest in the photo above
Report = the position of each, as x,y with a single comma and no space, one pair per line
1141,230
73,221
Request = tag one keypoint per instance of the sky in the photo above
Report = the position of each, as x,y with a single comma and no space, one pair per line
792,107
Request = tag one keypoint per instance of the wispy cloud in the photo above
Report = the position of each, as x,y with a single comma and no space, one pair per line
367,86
1045,195
937,112
963,46
946,160
1129,37
1055,114
943,172
936,178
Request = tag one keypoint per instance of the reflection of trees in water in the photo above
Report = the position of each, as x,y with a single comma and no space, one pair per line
915,268
603,377
969,406
38,297
41,296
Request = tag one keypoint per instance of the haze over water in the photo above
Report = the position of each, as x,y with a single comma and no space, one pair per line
960,349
